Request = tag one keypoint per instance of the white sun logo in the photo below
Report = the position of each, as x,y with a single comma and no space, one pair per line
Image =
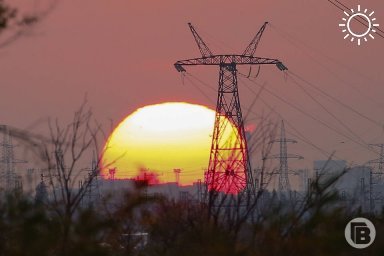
364,15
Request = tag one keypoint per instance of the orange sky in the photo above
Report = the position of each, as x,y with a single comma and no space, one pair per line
121,53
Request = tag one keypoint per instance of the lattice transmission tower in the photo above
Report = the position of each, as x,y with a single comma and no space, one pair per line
376,179
8,178
284,184
229,168
91,184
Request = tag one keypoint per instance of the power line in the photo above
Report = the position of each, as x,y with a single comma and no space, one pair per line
335,99
358,18
200,90
299,135
210,87
295,42
312,117
361,142
328,111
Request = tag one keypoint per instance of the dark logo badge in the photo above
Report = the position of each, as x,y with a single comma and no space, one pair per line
360,233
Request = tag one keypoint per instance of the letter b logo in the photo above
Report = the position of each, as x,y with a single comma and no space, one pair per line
360,233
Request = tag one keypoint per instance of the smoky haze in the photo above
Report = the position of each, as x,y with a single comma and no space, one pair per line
121,54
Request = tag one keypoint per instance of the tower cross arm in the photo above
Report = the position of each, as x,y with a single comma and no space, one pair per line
375,161
293,156
283,140
228,59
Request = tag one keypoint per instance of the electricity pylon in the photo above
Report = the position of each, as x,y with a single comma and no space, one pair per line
92,190
41,195
177,175
284,185
229,168
8,175
380,160
376,177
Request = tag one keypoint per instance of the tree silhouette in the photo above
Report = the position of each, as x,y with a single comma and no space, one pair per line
14,25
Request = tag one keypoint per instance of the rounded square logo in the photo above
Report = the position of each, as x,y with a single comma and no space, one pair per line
360,233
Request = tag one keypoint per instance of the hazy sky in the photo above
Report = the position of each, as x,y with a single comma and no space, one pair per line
121,54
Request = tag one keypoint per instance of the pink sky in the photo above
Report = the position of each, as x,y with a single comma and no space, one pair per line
121,53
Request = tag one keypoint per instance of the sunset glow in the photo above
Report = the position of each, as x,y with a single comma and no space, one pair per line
157,139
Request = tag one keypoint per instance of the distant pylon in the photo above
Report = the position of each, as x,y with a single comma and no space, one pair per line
112,173
177,175
92,190
284,184
41,195
229,168
380,160
10,181
376,177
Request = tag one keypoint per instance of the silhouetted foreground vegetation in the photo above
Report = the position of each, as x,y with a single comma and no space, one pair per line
58,219
176,228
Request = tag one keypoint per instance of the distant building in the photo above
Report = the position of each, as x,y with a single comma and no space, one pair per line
353,187
324,167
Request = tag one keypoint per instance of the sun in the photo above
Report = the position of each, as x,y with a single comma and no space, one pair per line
362,16
168,142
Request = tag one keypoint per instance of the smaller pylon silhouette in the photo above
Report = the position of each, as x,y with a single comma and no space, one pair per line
92,190
380,160
177,175
376,177
112,172
8,175
284,184
41,195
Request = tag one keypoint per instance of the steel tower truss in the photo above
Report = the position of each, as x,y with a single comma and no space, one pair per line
229,168
376,178
8,178
284,185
